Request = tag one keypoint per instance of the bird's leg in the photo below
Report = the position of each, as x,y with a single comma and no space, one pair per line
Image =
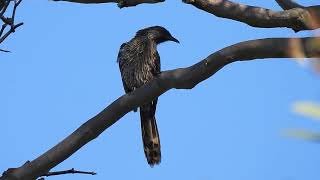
136,108
157,73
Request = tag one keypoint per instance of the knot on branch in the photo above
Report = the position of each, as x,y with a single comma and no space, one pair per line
7,20
306,18
301,19
8,174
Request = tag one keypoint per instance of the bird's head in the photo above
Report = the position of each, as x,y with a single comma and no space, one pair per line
158,34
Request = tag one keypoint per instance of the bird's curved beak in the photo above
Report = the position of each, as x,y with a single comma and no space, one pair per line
174,39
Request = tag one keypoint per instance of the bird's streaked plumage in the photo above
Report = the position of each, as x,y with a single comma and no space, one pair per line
139,63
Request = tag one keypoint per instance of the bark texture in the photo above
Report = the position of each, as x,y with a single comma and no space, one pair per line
297,19
183,78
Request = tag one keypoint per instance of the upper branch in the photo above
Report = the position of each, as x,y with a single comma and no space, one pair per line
121,3
288,4
297,19
183,78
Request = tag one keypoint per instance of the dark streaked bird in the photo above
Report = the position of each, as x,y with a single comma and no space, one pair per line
139,63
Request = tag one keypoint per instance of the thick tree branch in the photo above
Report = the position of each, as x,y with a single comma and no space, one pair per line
183,78
121,3
288,4
297,19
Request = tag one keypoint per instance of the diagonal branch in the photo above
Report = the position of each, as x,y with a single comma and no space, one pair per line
183,78
297,19
121,3
288,4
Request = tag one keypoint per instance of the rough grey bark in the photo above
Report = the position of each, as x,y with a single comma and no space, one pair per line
121,3
297,19
183,78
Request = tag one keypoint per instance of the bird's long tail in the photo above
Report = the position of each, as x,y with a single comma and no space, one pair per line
150,134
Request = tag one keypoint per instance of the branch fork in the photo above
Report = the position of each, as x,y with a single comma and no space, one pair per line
294,16
8,21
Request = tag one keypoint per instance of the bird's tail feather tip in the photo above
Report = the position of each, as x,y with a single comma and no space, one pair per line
150,137
153,156
153,162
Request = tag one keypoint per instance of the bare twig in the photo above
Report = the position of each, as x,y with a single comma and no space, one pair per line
121,3
5,20
70,171
3,27
297,19
2,4
9,32
3,50
183,78
8,21
16,4
288,4
7,3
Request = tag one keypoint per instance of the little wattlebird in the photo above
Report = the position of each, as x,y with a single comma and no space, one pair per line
139,63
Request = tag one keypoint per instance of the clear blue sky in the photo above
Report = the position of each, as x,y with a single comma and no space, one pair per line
63,70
